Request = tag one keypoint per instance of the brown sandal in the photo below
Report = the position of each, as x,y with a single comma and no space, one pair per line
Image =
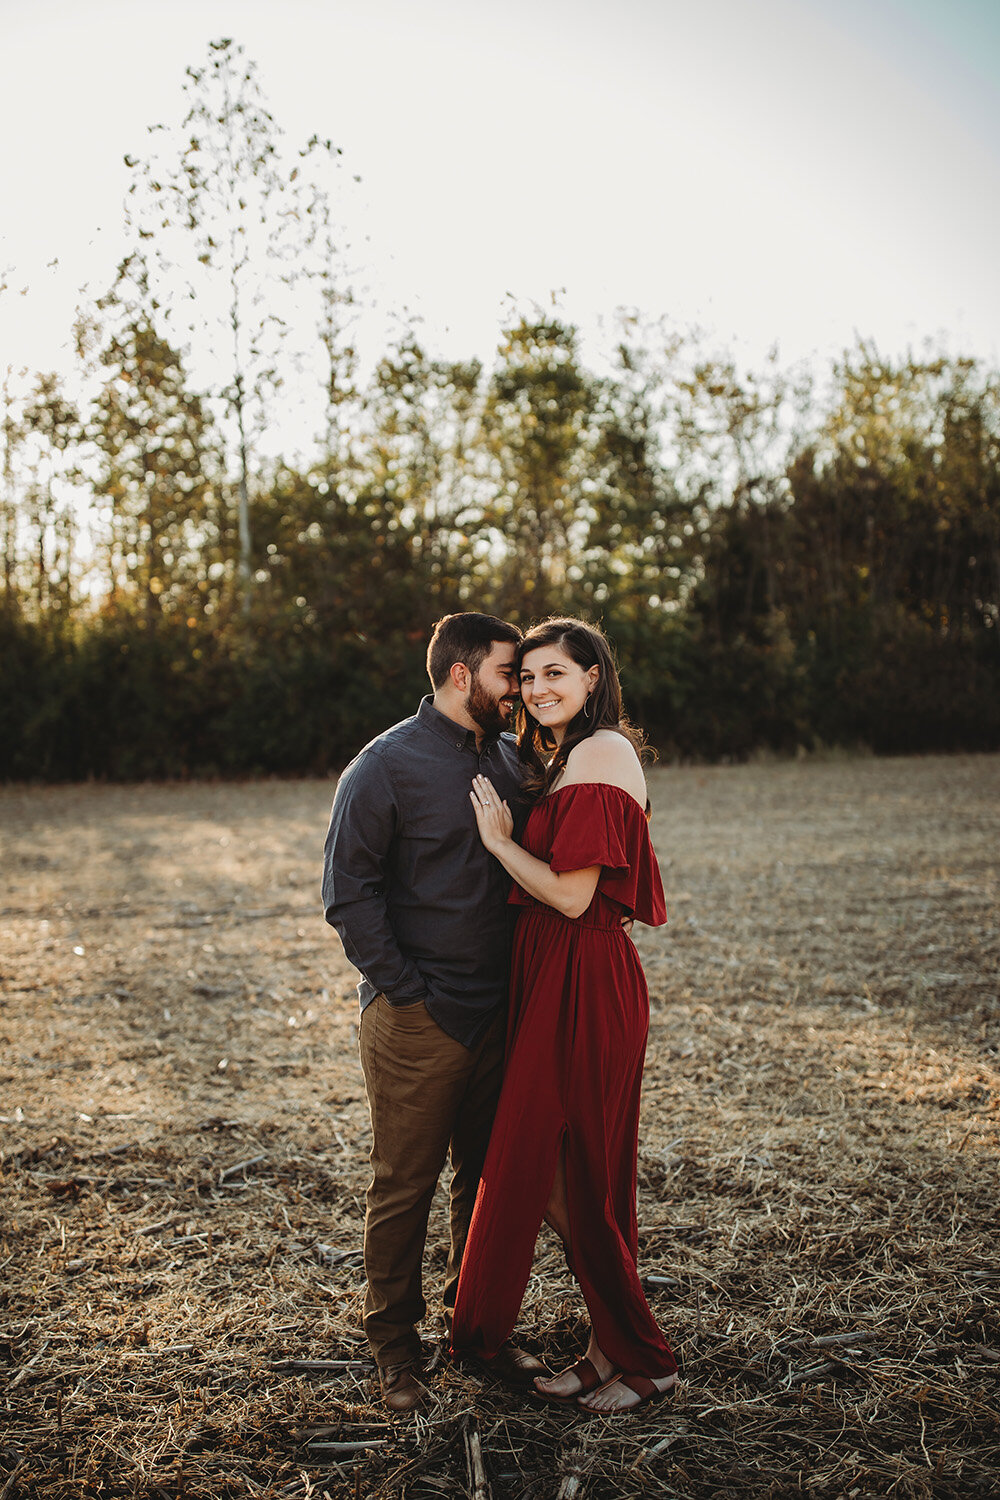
640,1385
589,1380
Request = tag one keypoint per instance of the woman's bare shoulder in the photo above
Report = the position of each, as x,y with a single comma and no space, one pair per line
606,757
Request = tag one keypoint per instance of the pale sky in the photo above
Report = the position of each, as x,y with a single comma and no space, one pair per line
798,171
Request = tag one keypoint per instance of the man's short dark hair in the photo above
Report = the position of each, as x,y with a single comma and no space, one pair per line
467,638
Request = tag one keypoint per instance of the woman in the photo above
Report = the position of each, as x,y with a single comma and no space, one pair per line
564,1143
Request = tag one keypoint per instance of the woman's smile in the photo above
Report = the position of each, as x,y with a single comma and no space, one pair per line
554,687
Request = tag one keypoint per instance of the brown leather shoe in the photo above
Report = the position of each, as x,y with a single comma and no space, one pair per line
515,1367
401,1390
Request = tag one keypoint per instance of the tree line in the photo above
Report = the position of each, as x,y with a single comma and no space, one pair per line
778,565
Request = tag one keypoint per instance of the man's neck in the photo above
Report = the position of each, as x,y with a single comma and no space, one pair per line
458,714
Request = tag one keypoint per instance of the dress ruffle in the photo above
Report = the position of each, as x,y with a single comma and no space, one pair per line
594,823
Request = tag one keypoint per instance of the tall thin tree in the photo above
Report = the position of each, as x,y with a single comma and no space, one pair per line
223,215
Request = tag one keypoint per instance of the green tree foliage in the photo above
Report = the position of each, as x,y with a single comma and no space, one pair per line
895,558
418,456
639,543
856,600
48,432
156,448
13,433
848,594
539,431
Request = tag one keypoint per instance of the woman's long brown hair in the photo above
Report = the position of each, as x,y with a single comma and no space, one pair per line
588,647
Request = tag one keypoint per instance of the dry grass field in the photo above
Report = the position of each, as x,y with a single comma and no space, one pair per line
184,1143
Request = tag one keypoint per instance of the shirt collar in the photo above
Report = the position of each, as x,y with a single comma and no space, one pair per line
432,718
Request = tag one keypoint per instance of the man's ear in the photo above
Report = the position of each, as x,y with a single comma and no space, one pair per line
460,676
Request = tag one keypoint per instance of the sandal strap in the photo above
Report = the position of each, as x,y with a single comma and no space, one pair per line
587,1375
641,1386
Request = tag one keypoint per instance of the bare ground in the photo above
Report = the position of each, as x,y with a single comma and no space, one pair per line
184,1143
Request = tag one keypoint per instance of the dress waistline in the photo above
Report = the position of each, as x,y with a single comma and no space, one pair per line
540,910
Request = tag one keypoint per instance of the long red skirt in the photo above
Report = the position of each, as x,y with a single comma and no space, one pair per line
576,1044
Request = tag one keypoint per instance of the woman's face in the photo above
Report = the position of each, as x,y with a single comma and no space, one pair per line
554,687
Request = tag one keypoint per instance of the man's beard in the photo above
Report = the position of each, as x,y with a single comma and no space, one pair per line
486,711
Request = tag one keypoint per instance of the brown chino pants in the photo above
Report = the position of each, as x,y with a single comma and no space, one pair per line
426,1094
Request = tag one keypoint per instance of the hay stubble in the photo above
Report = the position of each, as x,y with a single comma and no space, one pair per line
184,1156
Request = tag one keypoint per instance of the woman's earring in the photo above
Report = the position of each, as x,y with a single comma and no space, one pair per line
586,710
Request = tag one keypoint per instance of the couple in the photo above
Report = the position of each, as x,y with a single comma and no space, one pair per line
431,823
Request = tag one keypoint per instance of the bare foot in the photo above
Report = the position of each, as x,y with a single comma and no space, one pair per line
578,1378
624,1393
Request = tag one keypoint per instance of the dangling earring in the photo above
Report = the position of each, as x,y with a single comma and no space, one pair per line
586,710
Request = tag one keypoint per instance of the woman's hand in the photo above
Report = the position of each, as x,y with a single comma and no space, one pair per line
493,817
569,892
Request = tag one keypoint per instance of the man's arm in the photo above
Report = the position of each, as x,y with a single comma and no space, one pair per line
362,827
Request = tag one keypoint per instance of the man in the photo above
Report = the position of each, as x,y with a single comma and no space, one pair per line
421,909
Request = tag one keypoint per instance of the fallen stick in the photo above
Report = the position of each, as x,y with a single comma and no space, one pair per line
360,1446
664,1228
479,1487
320,1364
330,1257
296,1486
22,1373
660,1447
571,1486
167,1349
833,1340
812,1373
572,1476
17,1470
62,1179
240,1166
162,1224
314,1434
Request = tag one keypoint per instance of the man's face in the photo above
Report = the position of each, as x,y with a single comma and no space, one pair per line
494,690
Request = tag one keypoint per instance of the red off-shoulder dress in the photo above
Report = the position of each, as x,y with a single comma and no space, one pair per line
576,1040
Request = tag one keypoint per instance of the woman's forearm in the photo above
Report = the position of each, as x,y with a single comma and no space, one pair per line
569,891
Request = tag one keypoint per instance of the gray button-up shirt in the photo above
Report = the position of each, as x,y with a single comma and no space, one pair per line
420,905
